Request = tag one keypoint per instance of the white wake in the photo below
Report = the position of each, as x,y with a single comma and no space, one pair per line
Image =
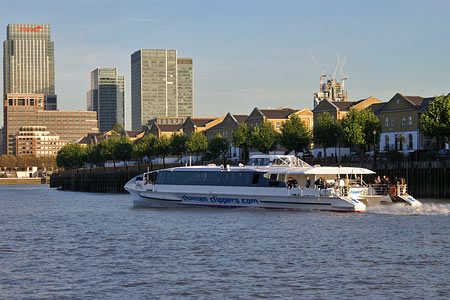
401,209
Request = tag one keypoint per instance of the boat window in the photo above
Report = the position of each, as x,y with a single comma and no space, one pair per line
217,178
277,162
259,162
255,178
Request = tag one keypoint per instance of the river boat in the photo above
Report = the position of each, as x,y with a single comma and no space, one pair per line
267,181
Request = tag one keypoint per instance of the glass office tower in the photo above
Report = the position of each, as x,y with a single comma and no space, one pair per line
107,97
155,86
28,60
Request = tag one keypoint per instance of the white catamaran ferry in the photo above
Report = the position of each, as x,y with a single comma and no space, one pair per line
268,181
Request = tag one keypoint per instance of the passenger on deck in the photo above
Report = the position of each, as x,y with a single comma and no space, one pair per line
319,183
292,182
308,182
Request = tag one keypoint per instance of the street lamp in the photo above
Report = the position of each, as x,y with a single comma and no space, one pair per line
335,146
374,148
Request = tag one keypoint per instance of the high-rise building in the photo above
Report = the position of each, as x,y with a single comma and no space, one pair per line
28,60
107,97
185,87
161,86
28,110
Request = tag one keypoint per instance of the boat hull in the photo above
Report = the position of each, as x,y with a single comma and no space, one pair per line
152,199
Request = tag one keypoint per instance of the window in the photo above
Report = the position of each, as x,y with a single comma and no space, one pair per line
386,122
410,120
386,142
392,121
403,121
278,125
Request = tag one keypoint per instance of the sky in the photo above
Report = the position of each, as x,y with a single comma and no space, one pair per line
250,53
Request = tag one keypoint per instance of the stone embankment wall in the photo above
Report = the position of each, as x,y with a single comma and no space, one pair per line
423,182
98,182
7,181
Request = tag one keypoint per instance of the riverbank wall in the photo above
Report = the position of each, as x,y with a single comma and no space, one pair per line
94,182
21,181
424,179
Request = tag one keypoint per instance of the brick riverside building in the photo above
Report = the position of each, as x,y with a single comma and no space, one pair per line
28,110
36,140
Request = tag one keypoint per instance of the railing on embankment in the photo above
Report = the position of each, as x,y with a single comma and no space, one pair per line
99,180
424,179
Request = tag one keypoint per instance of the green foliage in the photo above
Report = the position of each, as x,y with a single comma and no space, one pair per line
148,146
197,143
295,136
70,156
435,121
358,127
162,147
106,148
118,129
371,124
92,154
218,145
178,143
241,138
123,148
8,161
264,138
327,132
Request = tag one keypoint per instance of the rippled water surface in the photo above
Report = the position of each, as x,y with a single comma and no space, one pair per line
69,245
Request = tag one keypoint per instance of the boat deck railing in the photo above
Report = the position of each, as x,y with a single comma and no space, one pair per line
375,190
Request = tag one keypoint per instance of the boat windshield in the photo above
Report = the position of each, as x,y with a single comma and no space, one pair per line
259,162
272,160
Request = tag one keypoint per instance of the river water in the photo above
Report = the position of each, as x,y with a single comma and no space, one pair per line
69,245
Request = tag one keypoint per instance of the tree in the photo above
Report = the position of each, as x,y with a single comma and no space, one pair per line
70,156
435,121
241,138
162,148
218,146
264,138
123,149
11,162
327,132
148,147
106,148
92,155
178,144
197,143
295,136
118,129
358,127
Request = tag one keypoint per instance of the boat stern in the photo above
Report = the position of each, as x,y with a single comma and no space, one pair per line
410,200
348,204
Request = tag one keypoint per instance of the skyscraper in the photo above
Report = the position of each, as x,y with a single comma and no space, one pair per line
107,97
29,61
185,87
157,78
